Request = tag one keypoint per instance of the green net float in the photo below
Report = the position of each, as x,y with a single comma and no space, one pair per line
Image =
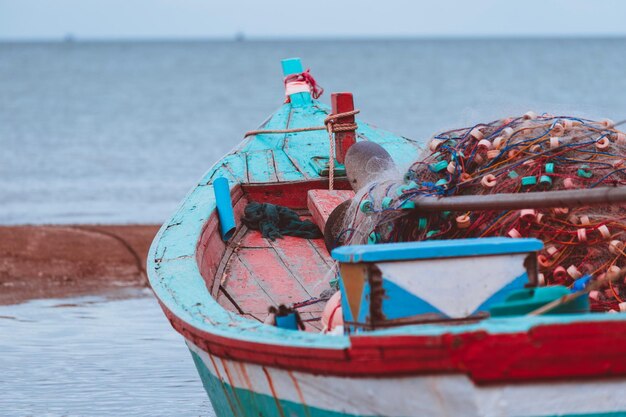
513,174
386,202
401,189
366,206
545,180
441,183
431,233
550,168
422,223
528,181
407,205
373,238
584,171
438,166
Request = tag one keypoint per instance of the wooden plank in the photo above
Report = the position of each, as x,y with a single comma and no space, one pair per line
322,202
320,247
272,276
278,121
254,239
243,286
304,262
261,167
285,169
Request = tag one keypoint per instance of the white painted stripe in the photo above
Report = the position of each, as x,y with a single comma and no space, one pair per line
294,87
434,396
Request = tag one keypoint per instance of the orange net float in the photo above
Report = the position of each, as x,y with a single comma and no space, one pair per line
489,181
558,129
573,272
619,138
552,251
603,143
616,247
484,143
463,222
498,142
604,231
477,133
529,115
543,261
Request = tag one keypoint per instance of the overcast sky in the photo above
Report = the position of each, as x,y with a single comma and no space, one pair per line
101,19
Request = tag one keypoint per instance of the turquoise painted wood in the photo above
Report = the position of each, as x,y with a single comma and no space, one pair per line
294,66
435,249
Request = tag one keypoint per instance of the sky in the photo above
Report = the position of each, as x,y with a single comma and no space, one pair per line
160,19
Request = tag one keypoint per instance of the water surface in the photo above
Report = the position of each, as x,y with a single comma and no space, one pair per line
93,356
119,132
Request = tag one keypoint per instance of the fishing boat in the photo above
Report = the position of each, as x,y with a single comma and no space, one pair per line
470,349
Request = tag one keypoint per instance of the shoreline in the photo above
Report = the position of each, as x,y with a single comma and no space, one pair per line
59,261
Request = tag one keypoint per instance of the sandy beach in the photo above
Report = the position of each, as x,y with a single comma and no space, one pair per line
65,261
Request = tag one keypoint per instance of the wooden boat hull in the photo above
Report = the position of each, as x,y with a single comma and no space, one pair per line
521,366
506,367
244,389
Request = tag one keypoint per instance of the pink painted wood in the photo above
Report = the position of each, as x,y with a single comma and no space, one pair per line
322,202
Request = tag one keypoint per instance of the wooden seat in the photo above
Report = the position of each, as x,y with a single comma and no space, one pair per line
322,202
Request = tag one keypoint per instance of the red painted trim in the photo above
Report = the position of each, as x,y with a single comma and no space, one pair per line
289,194
342,103
563,351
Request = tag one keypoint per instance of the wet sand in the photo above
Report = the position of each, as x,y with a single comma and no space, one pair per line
66,261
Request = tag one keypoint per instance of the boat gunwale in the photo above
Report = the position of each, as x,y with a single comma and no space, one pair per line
182,293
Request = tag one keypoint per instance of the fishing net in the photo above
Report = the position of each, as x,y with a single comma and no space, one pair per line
526,154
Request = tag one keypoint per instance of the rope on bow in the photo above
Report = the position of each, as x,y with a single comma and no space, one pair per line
331,126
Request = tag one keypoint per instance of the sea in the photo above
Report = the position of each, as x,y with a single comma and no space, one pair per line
119,132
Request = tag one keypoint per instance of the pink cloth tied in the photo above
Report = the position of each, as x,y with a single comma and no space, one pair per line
302,82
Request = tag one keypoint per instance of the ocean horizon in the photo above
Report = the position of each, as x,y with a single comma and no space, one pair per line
118,132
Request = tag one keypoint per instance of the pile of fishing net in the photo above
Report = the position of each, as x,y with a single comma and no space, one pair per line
526,154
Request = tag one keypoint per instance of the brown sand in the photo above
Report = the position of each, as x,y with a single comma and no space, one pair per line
64,261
